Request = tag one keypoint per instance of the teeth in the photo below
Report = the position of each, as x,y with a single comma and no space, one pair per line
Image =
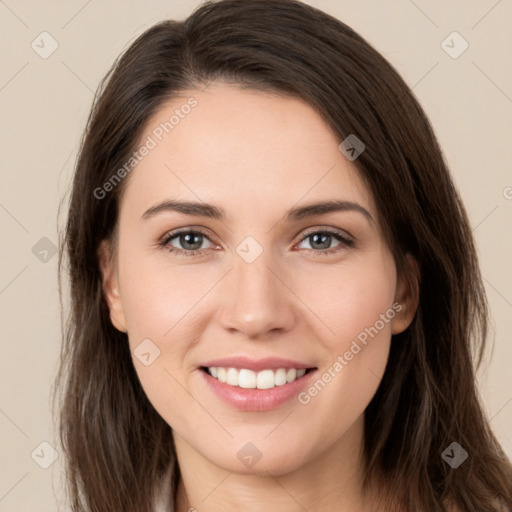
280,377
232,377
246,379
265,379
221,374
291,375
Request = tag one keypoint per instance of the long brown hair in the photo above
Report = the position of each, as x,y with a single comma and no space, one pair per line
117,446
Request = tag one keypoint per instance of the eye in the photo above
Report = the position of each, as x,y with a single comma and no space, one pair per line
190,241
321,240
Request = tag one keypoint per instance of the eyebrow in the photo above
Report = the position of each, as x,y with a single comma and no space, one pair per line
293,215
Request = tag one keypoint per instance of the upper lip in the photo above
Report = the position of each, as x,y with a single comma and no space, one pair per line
266,363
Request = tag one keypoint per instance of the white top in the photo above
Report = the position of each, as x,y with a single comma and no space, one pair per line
163,501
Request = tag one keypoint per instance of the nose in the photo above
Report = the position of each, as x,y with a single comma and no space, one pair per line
257,299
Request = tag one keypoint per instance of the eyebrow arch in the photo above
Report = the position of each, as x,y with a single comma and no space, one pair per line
295,214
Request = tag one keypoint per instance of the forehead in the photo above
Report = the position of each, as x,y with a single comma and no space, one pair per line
247,150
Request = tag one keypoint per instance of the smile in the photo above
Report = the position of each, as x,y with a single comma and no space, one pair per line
249,379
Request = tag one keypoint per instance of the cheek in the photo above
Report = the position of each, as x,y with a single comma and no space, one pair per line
352,300
164,317
358,308
158,297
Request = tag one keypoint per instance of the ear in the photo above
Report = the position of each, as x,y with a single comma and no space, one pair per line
407,295
110,285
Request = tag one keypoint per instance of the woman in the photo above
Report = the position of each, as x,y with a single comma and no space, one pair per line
275,292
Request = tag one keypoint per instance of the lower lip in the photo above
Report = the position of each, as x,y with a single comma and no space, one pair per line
257,399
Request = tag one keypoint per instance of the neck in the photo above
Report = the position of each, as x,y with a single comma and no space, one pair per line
331,481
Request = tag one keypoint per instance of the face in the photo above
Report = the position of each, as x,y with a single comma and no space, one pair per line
258,281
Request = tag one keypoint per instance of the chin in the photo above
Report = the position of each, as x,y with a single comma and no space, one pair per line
258,458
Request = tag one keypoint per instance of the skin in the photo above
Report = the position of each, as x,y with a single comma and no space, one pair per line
256,155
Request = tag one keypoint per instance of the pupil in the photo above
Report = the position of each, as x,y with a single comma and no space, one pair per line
189,237
326,239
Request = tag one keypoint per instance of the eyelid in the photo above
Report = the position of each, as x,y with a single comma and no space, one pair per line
327,229
343,236
189,229
305,233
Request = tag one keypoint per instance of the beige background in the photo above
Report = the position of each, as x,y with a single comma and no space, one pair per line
44,104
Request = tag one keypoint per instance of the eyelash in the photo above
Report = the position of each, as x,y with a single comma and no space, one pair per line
164,242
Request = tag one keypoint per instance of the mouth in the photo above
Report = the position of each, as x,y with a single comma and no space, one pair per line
265,387
249,379
254,384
